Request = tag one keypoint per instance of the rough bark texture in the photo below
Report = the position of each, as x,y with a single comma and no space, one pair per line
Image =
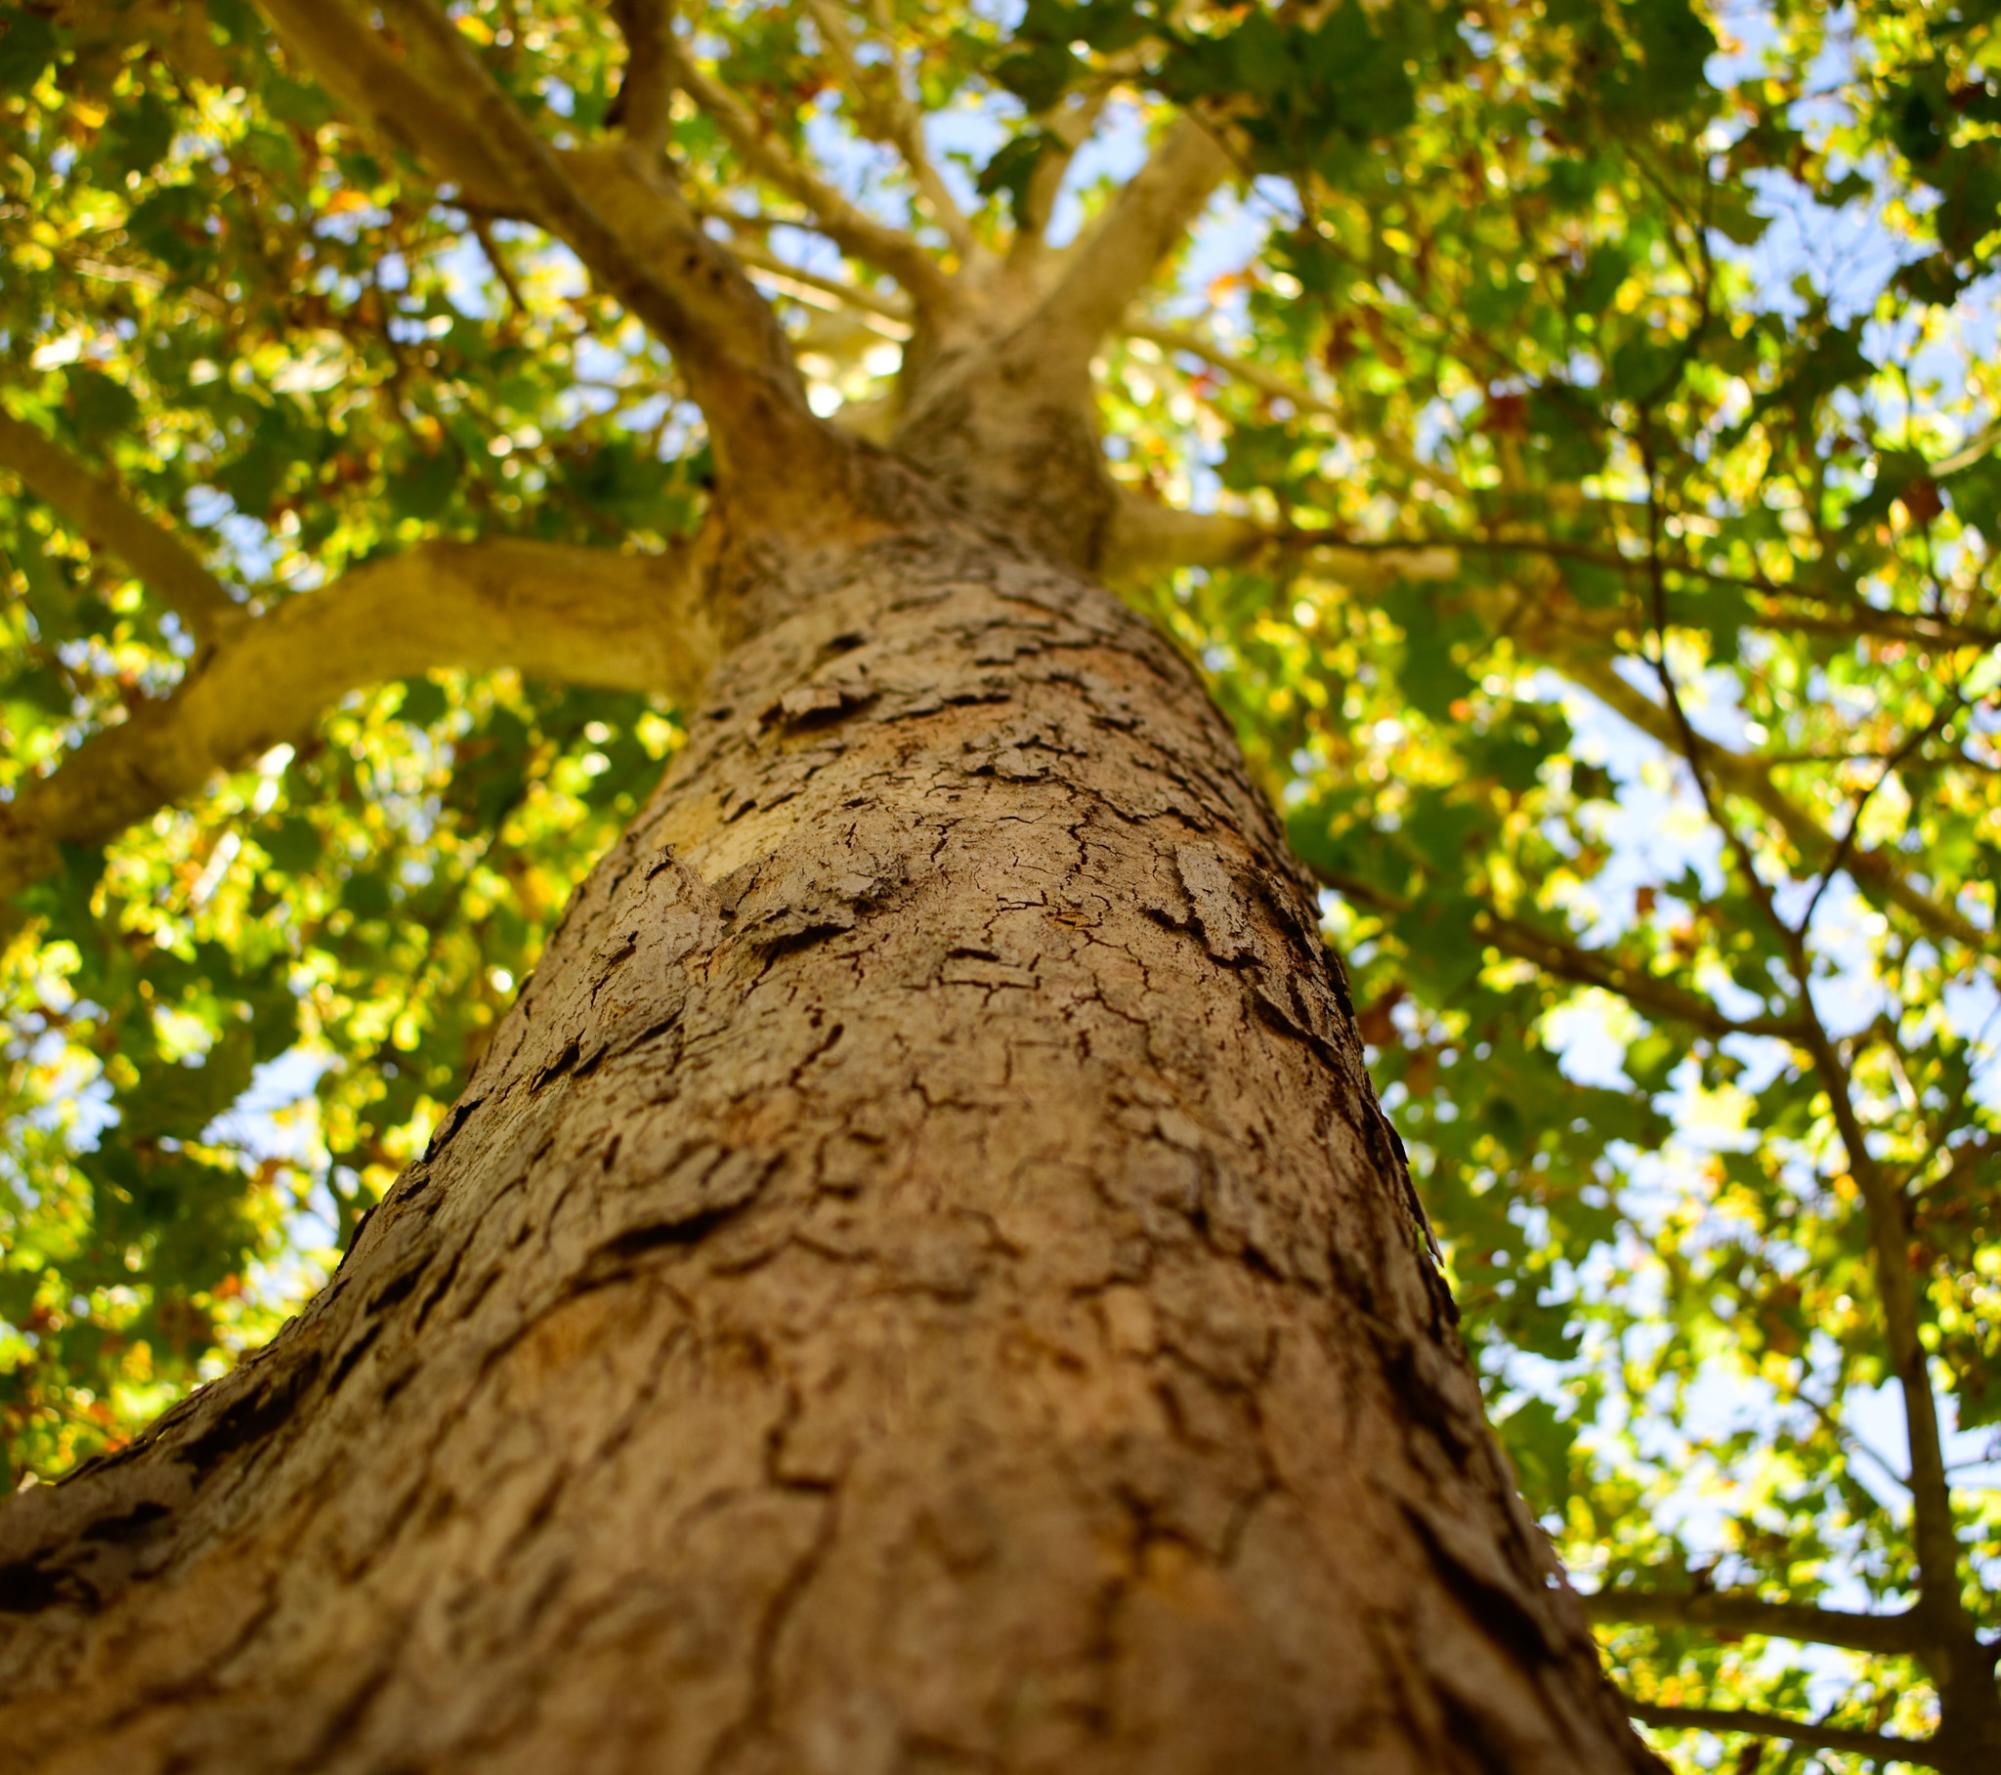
919,1282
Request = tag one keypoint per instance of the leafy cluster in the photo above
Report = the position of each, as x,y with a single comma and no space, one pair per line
1603,394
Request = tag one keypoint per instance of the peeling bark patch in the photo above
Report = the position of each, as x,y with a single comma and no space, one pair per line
351,1357
398,1287
252,1418
691,1229
789,933
26,1588
1217,906
565,1062
813,707
455,1119
131,1525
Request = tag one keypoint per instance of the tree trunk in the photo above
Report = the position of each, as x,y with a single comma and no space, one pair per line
919,1281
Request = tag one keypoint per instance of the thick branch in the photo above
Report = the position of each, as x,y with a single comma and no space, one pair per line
614,206
643,106
703,304
102,510
1881,1747
1068,127
1121,255
358,67
1149,537
577,616
1226,538
1733,1612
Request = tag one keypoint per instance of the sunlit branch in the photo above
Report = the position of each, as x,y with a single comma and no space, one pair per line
676,309
1731,1612
1148,537
1919,627
643,109
1068,127
1184,340
570,615
1123,252
1193,342
832,292
1880,1747
852,229
885,112
98,507
1250,537
614,206
357,65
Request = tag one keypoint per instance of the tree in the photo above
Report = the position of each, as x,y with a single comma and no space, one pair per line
919,1274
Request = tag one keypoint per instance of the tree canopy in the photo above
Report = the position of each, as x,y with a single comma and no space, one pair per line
1567,438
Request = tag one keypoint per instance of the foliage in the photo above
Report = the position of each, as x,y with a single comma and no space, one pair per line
1608,392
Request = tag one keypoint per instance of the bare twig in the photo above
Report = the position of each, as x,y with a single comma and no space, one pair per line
1879,1747
1649,993
1732,1612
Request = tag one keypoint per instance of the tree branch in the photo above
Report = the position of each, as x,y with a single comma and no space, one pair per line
1965,1683
613,206
852,229
642,109
1069,126
1193,342
1844,848
1954,1654
1880,1747
1878,875
103,511
357,66
827,293
679,308
1649,993
573,615
1120,256
1733,1612
885,113
1150,537
1232,537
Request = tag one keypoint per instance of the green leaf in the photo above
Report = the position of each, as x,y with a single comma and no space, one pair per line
100,406
28,43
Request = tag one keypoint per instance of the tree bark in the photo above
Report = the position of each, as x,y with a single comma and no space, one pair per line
919,1281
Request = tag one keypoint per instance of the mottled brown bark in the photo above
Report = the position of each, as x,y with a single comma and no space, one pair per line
919,1281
